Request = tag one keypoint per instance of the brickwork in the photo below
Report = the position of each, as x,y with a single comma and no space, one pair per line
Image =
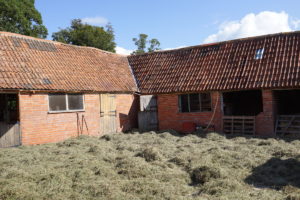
38,126
265,120
127,110
169,116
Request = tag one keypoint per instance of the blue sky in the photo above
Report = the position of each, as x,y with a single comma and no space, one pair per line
175,23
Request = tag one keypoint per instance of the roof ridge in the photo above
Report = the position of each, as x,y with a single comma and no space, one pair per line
218,43
55,42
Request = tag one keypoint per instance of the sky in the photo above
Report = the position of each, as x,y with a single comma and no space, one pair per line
175,23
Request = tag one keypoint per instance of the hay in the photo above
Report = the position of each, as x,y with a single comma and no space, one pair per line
164,165
204,174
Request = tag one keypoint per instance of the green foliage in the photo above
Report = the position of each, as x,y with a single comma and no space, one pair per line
21,16
87,35
141,44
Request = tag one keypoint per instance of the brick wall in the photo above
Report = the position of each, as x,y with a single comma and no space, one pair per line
170,118
38,126
265,120
127,110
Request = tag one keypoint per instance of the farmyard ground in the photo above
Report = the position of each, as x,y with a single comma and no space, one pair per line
153,165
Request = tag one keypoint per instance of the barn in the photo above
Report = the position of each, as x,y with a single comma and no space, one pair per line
51,91
244,86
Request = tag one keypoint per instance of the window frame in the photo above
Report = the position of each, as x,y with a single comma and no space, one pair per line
200,103
67,103
259,53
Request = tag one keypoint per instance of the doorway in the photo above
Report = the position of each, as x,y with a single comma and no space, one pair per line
10,134
240,109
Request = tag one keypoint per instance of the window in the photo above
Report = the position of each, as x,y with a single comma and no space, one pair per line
65,102
194,102
259,53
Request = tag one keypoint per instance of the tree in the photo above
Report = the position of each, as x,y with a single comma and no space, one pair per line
21,16
83,34
141,44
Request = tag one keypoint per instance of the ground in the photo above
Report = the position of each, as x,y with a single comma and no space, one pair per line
152,165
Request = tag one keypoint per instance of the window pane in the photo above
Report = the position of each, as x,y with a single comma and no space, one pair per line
194,102
57,102
75,101
184,103
259,53
205,102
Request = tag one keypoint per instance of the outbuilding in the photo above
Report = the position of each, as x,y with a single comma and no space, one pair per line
51,91
244,86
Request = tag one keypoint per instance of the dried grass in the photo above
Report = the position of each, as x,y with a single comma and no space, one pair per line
152,165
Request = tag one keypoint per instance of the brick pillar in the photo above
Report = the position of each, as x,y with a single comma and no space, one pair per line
218,115
265,121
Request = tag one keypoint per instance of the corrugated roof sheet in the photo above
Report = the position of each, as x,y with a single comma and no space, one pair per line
229,65
36,64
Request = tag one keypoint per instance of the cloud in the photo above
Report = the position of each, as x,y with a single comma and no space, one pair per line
179,47
296,23
265,22
123,51
95,20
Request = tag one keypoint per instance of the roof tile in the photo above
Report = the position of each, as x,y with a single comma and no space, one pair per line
27,62
229,65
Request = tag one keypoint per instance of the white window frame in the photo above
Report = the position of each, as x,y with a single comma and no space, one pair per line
259,53
67,104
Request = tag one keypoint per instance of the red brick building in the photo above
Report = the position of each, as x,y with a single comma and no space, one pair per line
51,91
248,86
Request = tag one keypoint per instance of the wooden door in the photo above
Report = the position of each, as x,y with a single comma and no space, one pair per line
9,134
108,113
147,116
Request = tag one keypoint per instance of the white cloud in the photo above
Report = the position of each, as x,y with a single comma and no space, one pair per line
265,22
296,23
123,51
174,48
95,20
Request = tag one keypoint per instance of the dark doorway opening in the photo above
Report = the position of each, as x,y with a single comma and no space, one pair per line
242,103
287,108
287,102
9,120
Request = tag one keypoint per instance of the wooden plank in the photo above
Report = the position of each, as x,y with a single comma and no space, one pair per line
239,124
9,134
107,113
147,121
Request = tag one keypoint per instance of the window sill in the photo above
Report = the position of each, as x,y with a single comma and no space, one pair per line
65,111
195,112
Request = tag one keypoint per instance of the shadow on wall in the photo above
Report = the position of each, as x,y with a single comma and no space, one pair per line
130,120
276,173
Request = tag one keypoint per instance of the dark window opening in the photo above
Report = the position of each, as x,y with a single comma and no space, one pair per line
75,102
66,102
9,108
242,103
287,102
195,102
57,102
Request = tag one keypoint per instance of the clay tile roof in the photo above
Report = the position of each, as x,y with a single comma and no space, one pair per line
229,65
36,64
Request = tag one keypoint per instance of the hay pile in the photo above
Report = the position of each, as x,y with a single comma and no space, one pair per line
153,166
